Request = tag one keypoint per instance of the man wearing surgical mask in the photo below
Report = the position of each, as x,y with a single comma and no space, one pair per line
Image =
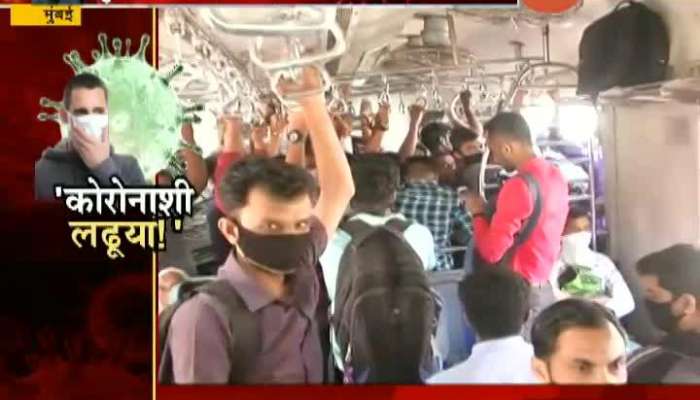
582,272
86,151
279,230
671,282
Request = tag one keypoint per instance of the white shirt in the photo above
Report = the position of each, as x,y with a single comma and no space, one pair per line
346,142
499,361
620,302
417,235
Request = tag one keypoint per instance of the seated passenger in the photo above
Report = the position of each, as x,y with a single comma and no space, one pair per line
579,342
255,322
86,151
671,282
496,305
438,207
582,272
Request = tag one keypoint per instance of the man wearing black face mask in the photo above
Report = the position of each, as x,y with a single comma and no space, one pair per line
265,332
468,154
671,282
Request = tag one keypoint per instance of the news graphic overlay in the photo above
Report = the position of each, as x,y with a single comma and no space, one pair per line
155,204
45,15
145,113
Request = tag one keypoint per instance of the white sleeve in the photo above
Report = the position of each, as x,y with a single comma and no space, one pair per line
621,302
330,260
422,242
558,268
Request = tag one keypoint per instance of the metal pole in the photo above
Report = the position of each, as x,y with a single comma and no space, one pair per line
419,70
545,43
592,192
453,37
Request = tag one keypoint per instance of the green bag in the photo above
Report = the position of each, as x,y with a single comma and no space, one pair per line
580,281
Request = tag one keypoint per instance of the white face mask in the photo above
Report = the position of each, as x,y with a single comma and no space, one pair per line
575,250
92,124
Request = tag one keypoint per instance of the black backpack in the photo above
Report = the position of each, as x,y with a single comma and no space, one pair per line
385,312
243,326
628,46
506,262
654,365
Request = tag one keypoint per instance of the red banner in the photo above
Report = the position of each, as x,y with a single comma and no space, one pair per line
483,3
632,392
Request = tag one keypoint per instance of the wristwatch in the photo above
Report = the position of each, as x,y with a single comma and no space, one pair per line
295,136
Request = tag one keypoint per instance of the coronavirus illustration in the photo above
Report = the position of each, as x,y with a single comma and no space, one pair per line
145,113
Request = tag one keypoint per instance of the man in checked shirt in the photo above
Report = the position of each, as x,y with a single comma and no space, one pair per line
438,207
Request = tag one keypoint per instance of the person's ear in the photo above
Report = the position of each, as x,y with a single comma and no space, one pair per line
507,149
229,229
686,308
685,305
539,367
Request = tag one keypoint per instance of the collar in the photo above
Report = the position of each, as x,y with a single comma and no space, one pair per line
422,183
372,219
500,345
530,165
256,297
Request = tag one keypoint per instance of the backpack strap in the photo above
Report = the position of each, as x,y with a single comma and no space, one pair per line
357,229
187,290
525,232
536,195
243,327
398,225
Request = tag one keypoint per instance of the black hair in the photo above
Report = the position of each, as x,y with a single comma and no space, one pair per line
281,180
377,179
568,314
461,135
511,125
424,163
576,212
677,267
496,302
81,81
432,133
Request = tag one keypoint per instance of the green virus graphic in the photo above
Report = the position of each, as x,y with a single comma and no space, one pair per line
145,114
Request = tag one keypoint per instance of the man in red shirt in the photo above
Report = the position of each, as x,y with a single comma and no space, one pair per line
511,146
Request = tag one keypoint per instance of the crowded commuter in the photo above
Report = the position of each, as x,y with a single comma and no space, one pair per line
582,272
438,207
496,305
579,342
671,282
270,282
